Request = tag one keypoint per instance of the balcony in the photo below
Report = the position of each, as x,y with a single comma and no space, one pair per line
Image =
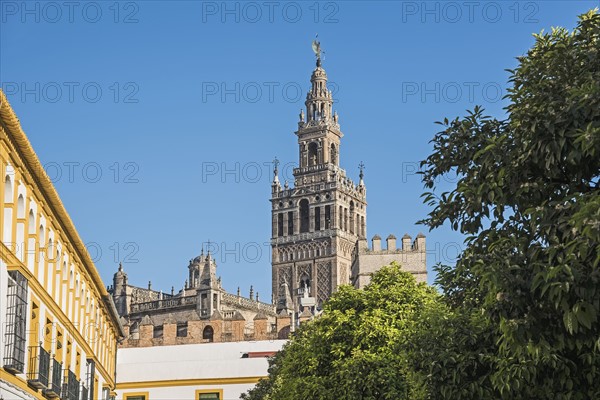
39,367
55,386
70,387
84,393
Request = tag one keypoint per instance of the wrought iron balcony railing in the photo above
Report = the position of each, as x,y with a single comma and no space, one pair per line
84,393
70,387
55,386
39,367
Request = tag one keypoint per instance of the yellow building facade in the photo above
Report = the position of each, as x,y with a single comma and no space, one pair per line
58,325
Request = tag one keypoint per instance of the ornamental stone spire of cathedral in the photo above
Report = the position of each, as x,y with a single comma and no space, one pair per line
275,186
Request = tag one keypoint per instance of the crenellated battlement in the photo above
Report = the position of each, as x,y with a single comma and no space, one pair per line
406,245
409,253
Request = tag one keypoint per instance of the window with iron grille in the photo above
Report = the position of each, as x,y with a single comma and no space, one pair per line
16,315
105,393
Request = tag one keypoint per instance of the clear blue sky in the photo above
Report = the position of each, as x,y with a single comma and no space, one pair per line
162,98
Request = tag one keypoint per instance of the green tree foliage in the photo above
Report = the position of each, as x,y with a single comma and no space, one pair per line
528,199
358,348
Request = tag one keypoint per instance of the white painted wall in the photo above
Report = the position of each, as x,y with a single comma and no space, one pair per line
146,366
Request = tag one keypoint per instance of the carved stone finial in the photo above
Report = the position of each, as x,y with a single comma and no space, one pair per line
275,166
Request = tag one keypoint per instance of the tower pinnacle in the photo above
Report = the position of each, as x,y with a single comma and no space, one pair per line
361,175
275,171
319,99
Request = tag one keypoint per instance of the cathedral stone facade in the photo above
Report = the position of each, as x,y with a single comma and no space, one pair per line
318,243
201,312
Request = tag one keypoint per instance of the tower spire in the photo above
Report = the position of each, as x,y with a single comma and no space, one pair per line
319,100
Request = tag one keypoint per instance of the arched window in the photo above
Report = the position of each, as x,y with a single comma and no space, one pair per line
279,225
20,207
305,284
304,221
333,154
352,217
50,250
42,236
31,222
208,333
8,190
345,219
317,218
362,226
313,154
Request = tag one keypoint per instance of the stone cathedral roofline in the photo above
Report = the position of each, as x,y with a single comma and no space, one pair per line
202,269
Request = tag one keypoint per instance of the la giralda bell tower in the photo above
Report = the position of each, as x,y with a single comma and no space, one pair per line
316,223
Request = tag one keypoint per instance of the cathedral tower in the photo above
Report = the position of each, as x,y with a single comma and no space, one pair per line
316,223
